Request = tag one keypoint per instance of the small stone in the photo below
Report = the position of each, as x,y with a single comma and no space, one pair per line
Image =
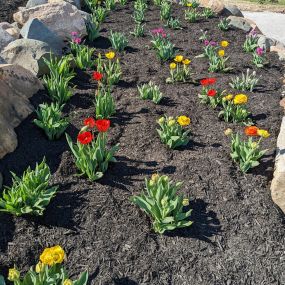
29,54
34,29
10,29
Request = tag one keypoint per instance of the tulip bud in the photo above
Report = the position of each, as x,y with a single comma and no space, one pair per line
13,274
228,132
161,120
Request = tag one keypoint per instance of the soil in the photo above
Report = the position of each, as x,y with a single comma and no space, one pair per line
238,234
8,8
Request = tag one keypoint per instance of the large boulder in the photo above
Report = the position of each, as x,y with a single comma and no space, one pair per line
278,182
61,18
29,54
5,38
76,3
241,23
265,43
17,85
232,10
280,49
34,29
216,6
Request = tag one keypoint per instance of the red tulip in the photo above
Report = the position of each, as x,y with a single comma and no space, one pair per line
208,81
212,92
102,125
90,122
85,137
97,75
212,81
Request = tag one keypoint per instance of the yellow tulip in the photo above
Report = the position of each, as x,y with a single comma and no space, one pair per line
67,282
263,133
229,97
13,274
171,123
172,65
52,255
221,53
240,99
39,267
224,44
110,55
183,121
186,61
185,202
189,4
178,58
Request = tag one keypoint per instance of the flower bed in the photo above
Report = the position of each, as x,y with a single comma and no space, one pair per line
237,236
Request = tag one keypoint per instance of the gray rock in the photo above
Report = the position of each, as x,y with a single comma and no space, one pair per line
241,23
10,29
232,10
29,54
2,61
76,3
17,85
265,42
34,29
33,3
5,38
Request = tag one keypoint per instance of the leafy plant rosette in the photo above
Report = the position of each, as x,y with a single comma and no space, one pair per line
173,132
179,70
208,95
29,194
92,156
247,153
161,202
235,110
49,271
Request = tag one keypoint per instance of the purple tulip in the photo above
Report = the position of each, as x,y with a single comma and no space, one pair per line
212,43
206,42
259,51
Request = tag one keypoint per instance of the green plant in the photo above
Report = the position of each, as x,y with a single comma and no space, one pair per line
118,40
100,14
191,15
140,5
179,70
150,91
165,10
247,153
224,24
48,271
218,63
259,59
51,121
165,51
250,43
207,13
211,97
123,2
234,109
174,24
58,88
93,28
138,30
82,55
105,104
29,194
172,131
246,82
110,68
161,202
92,157
110,4
191,4
138,16
91,4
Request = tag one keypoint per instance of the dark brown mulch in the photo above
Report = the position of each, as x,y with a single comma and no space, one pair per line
238,234
8,8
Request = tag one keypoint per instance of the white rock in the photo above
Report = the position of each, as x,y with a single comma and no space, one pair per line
62,18
216,6
16,85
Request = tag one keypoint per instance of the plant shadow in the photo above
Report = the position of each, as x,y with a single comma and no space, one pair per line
124,281
205,223
6,230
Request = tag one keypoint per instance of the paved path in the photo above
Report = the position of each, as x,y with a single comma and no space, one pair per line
271,24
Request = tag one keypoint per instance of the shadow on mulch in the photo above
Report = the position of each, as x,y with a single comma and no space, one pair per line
7,229
205,223
124,281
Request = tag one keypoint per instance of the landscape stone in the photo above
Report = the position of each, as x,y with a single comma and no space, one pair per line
36,30
265,42
5,38
278,182
77,3
61,18
29,54
10,29
33,3
216,6
17,85
241,23
232,10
